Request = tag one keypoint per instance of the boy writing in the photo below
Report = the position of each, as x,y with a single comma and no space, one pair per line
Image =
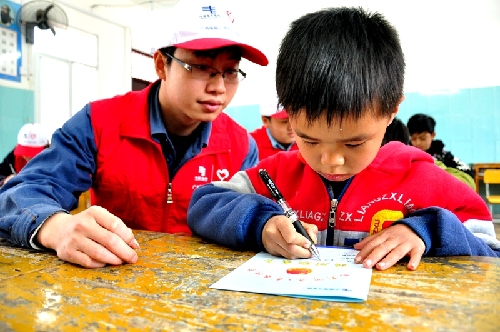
340,76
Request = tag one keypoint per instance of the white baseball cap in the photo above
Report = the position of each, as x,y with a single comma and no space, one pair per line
31,140
273,109
209,24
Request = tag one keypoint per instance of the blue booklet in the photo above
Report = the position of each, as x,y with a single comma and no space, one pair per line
335,278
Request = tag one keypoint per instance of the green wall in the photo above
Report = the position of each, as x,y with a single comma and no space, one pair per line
16,109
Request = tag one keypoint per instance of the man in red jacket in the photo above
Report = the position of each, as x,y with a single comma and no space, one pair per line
143,153
276,134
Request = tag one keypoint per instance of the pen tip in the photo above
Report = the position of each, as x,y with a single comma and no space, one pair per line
315,252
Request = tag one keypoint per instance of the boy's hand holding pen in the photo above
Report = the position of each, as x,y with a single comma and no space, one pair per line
278,236
281,239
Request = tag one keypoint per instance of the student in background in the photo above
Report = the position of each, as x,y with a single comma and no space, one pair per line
275,135
142,153
421,128
31,140
397,131
388,202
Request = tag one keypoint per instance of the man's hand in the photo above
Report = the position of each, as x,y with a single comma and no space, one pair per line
91,238
281,239
386,248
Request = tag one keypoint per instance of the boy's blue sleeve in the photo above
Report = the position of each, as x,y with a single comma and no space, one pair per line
252,157
230,218
51,182
445,235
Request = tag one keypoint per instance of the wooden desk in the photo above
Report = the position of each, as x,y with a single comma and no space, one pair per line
167,289
478,171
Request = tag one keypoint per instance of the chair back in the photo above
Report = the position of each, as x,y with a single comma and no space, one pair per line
83,202
491,176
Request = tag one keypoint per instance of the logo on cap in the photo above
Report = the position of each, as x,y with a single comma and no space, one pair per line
210,9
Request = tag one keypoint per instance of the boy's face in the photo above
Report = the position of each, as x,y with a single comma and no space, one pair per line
188,100
423,140
280,129
341,150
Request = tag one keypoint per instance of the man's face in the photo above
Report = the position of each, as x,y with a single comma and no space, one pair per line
422,140
280,129
186,100
341,150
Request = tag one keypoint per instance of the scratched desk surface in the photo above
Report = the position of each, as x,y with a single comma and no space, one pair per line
168,290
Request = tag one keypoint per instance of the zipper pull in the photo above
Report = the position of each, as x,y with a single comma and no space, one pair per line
169,194
333,210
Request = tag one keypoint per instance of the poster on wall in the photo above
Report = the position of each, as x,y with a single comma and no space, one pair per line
10,42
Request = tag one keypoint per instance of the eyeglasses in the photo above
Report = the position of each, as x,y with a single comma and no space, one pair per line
203,72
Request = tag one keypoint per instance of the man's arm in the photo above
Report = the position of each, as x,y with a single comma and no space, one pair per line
34,205
51,182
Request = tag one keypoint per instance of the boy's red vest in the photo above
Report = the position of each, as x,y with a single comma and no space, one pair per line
132,179
264,145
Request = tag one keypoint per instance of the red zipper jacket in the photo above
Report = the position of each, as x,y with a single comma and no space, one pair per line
399,181
402,185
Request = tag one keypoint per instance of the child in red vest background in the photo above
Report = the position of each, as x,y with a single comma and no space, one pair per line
275,135
31,140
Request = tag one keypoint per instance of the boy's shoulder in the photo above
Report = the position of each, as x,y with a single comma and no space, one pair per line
259,131
395,157
286,162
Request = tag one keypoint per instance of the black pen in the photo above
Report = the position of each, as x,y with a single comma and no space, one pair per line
287,210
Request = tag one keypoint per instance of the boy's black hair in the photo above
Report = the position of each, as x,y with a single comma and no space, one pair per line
344,61
397,131
421,123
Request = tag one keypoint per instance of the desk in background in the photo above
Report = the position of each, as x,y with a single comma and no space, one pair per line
167,289
479,171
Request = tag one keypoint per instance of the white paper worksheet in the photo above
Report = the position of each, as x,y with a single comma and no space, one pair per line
335,278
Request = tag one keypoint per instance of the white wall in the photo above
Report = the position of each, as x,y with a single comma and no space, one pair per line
114,45
448,44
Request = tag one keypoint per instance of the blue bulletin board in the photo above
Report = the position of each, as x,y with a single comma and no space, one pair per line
10,42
